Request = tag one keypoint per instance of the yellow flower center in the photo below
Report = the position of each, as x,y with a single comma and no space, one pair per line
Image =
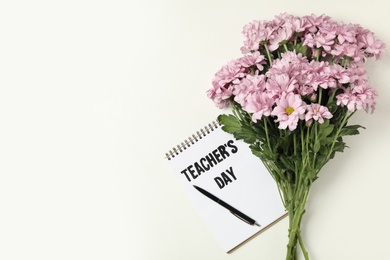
289,110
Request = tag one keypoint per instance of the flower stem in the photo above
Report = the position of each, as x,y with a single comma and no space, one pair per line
319,95
304,251
266,133
331,97
268,53
285,47
315,125
296,209
343,123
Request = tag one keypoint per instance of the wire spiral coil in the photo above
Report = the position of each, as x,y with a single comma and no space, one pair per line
192,140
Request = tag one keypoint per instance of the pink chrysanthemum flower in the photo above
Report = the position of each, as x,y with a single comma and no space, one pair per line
300,24
338,72
315,21
357,72
290,64
246,86
228,73
219,96
317,112
283,19
318,40
350,50
346,33
357,98
254,59
281,36
260,104
293,57
346,99
371,45
278,85
255,32
289,109
314,75
366,97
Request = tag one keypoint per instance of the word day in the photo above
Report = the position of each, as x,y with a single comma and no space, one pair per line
225,179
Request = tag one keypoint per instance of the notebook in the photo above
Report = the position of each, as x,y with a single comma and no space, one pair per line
214,161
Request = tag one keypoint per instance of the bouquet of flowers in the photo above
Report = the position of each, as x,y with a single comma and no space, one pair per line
299,81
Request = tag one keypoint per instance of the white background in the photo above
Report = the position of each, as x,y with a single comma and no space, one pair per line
93,93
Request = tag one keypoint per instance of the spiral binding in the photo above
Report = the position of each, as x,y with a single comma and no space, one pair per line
192,140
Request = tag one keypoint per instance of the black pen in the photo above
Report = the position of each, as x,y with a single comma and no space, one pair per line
234,211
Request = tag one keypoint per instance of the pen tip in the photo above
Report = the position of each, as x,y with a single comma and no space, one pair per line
257,224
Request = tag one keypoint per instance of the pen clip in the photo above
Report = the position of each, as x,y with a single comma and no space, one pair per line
245,220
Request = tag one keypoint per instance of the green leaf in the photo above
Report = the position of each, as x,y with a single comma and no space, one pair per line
287,163
259,129
246,133
268,153
350,130
320,161
324,132
230,123
324,149
300,48
324,125
327,140
262,154
332,106
317,146
256,151
339,146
